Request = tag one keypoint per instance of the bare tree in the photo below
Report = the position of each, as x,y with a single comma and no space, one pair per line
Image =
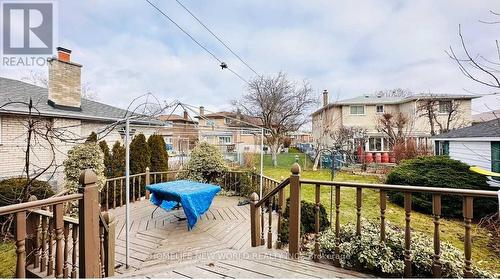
279,104
394,126
442,119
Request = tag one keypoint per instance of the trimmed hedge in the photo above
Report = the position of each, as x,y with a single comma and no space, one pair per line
442,172
11,189
140,154
159,154
307,221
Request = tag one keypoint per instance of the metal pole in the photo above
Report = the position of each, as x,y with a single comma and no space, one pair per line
261,160
127,193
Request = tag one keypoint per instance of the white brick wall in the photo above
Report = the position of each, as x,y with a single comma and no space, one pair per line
13,137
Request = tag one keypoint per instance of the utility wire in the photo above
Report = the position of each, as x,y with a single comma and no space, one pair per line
196,41
217,37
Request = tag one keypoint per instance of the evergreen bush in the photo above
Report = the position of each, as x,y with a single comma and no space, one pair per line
442,172
81,157
140,155
11,190
91,138
117,160
107,158
368,253
206,164
159,154
307,219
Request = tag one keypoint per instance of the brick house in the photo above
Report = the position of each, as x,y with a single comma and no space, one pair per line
180,133
364,111
61,107
233,132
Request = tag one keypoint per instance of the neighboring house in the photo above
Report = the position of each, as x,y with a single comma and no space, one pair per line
486,116
61,107
233,132
180,134
300,137
477,145
364,112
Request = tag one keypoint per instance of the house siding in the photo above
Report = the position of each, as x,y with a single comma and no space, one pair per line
474,153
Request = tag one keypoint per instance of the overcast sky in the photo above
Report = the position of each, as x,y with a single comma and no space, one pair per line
348,47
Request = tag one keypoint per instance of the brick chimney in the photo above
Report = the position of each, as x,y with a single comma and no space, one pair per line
202,111
325,97
65,85
185,116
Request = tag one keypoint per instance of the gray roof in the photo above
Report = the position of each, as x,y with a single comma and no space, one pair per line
486,116
18,91
374,99
485,129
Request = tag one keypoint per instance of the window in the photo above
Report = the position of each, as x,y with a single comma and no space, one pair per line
375,144
210,122
442,148
168,139
444,107
227,120
357,109
224,139
380,109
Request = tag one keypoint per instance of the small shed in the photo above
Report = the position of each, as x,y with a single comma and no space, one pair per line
476,145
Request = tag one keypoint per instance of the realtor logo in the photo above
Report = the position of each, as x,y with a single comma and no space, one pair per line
28,32
27,28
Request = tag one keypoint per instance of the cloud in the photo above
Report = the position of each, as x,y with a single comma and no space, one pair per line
348,47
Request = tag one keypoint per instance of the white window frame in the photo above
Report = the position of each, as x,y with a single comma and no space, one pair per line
350,110
383,109
448,109
225,138
381,144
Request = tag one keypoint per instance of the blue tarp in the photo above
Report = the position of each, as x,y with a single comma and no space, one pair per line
195,197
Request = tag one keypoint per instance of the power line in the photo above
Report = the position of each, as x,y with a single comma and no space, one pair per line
217,37
222,64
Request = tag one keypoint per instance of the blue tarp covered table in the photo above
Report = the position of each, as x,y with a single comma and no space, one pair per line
195,197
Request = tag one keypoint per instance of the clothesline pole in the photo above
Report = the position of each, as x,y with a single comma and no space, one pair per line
261,160
127,189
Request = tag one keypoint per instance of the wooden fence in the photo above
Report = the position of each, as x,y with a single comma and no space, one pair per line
276,200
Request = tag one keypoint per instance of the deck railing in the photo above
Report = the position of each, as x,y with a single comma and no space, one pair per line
50,244
295,183
113,193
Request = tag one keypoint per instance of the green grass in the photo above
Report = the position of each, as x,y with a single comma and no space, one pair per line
452,231
7,259
285,160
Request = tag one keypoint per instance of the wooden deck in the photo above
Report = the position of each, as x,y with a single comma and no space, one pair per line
217,247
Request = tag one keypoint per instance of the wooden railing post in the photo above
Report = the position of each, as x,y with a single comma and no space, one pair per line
58,229
294,219
254,220
436,211
467,210
109,244
147,182
20,236
88,216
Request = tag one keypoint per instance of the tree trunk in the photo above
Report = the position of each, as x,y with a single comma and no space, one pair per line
274,156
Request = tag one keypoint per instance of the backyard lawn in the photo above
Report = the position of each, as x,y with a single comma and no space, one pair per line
452,231
7,259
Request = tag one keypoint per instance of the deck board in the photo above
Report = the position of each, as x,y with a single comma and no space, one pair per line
217,247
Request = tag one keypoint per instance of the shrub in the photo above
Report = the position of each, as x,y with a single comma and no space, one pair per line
159,155
307,220
92,138
206,164
140,155
294,150
387,258
117,160
11,190
107,158
81,157
443,172
249,160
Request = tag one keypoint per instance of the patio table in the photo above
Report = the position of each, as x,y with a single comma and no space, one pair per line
194,197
